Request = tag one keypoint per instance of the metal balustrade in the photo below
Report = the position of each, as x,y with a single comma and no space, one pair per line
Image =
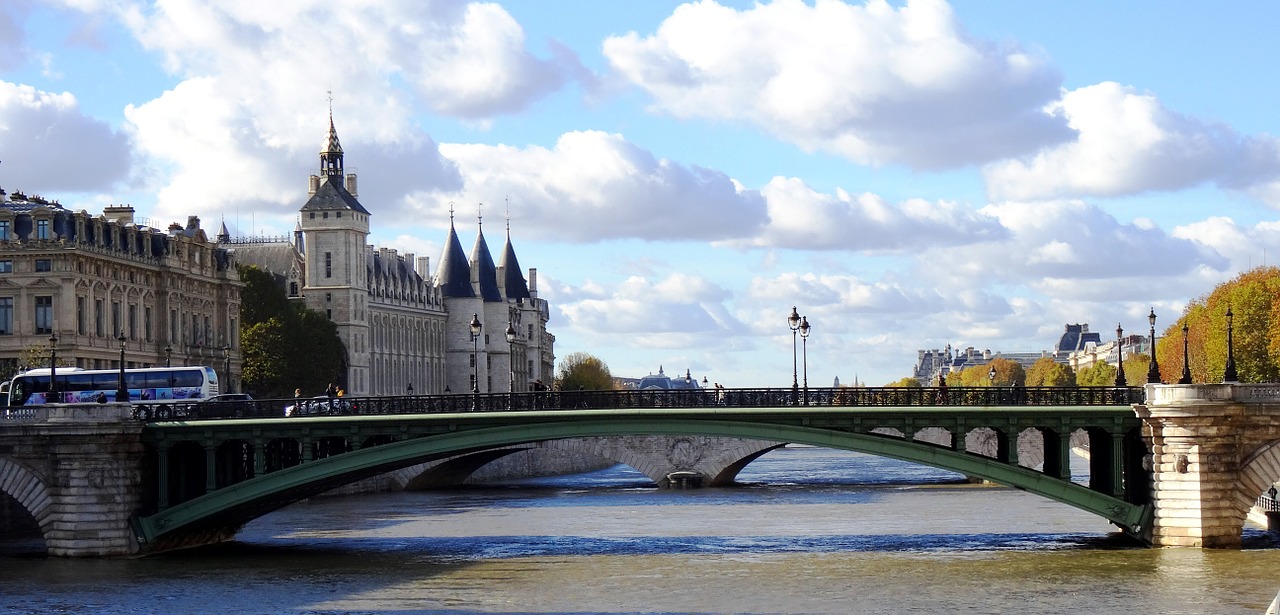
859,397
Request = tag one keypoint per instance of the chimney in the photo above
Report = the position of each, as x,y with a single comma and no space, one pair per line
424,267
313,184
533,282
193,223
120,214
351,184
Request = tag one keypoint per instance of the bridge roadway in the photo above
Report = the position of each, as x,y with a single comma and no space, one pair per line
210,468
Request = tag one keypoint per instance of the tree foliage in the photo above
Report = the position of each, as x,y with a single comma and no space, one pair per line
580,370
906,382
285,345
1254,300
1046,372
1100,374
1008,373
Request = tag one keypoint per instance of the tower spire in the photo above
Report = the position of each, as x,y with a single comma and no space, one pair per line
331,153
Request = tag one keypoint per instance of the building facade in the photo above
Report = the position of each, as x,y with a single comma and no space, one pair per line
404,329
99,287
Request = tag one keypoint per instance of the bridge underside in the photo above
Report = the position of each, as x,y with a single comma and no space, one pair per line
225,508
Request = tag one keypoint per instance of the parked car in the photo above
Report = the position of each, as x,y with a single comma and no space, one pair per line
318,405
229,404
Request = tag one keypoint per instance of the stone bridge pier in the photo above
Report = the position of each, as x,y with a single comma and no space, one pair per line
1214,449
77,470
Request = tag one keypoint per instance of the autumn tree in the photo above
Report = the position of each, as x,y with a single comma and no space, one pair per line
1253,298
1046,372
1100,374
580,370
906,382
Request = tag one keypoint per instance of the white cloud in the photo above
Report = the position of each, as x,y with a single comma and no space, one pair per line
1246,247
804,219
594,186
12,38
48,144
871,83
1130,143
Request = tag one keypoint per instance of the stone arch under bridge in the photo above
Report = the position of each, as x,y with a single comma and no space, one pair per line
27,491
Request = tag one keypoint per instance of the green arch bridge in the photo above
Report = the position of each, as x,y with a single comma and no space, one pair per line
210,468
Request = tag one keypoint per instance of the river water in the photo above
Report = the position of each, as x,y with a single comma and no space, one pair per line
808,531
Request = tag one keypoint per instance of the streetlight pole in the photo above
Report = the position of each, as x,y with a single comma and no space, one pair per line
53,368
1153,374
793,321
1230,375
226,366
409,390
804,346
475,365
122,393
1120,381
991,375
511,364
168,355
1186,357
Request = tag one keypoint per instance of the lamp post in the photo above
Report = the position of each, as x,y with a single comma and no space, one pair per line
53,367
793,321
804,353
226,366
1120,381
991,375
511,360
1186,357
409,390
1230,375
122,393
475,365
1153,373
168,355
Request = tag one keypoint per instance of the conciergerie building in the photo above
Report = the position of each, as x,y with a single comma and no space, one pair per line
402,326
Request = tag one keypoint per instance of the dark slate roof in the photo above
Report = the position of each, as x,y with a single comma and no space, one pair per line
333,195
514,283
278,257
453,276
1075,337
486,272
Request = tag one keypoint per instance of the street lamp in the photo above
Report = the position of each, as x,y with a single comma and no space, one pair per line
122,393
1120,382
793,321
991,375
409,390
1230,375
226,365
511,361
475,366
168,355
804,347
1153,373
1186,357
53,367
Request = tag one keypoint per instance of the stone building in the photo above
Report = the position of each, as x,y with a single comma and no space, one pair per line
97,283
403,328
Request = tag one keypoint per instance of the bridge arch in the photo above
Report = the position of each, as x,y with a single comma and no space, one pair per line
228,509
1258,472
30,492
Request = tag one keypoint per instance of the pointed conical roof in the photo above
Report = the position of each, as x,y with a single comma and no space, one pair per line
486,272
513,282
453,275
331,144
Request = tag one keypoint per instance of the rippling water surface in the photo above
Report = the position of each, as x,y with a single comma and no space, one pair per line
808,531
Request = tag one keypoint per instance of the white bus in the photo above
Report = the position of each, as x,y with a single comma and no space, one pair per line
77,385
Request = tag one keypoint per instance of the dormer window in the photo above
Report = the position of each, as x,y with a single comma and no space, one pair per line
42,229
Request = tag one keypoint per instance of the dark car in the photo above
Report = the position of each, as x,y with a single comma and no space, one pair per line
229,405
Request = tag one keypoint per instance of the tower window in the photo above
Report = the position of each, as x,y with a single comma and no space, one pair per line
328,264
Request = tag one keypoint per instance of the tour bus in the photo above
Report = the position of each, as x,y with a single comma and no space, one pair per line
77,385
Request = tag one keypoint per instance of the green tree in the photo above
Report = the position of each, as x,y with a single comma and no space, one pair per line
285,345
580,370
1046,372
1136,367
906,382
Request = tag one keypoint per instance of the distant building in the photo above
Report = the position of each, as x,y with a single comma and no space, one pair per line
661,380
400,325
1077,347
171,294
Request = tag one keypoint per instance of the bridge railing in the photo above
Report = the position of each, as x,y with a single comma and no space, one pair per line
853,397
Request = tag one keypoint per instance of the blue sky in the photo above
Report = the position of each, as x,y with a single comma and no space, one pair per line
908,174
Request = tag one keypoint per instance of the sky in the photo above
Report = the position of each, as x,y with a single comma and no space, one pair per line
907,175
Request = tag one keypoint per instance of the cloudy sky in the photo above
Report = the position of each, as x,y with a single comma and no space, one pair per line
908,174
